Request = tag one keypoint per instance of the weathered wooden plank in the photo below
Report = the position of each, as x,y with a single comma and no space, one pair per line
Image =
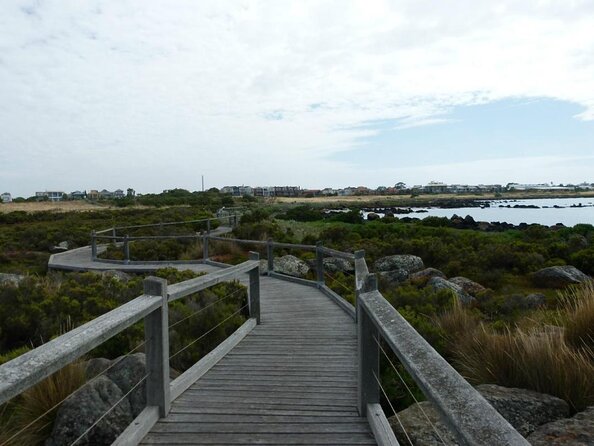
251,418
141,426
186,379
382,431
188,287
262,428
292,380
223,438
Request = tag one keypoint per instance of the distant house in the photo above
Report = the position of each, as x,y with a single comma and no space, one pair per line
435,187
119,193
6,197
105,194
93,195
78,195
50,195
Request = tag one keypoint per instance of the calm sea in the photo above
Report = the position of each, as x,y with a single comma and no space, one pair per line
546,214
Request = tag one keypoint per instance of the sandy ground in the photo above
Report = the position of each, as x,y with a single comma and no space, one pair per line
407,198
59,206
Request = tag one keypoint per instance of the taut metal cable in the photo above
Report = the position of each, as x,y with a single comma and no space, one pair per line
206,333
410,391
393,410
205,308
116,362
116,404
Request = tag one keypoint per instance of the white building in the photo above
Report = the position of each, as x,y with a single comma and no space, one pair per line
51,195
6,197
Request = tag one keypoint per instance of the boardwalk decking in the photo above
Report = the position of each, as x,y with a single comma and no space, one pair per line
292,380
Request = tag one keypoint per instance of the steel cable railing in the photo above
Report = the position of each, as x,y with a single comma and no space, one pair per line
55,406
108,411
410,392
208,332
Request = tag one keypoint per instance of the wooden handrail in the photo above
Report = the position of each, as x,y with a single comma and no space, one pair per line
472,419
30,368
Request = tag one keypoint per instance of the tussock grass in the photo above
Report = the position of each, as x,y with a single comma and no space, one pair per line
553,359
577,315
32,410
457,322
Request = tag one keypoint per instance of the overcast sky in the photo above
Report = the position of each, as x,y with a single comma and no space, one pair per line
152,94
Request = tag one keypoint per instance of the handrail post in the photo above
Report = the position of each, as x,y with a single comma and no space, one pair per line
320,264
205,247
368,353
208,226
126,250
270,256
93,245
156,335
359,254
254,292
113,234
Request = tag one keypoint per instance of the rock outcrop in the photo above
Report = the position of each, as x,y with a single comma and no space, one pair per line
338,264
558,276
407,262
438,283
109,382
426,274
467,285
394,277
119,276
575,431
289,265
11,279
85,407
524,409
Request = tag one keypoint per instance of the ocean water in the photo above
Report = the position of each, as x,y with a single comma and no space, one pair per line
568,211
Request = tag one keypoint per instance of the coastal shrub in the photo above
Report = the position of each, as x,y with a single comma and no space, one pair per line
584,260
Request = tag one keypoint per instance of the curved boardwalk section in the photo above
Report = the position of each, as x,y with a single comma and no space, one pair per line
292,380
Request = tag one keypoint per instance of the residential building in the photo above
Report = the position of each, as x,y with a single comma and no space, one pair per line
6,197
50,195
93,195
78,195
119,193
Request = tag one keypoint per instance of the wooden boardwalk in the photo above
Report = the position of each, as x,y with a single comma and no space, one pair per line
292,380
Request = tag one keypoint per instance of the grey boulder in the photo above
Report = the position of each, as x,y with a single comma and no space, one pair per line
84,408
426,274
291,266
467,285
575,431
11,279
394,277
559,276
406,262
438,283
338,264
524,409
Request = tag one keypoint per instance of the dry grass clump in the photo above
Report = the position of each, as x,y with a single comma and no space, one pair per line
33,411
557,360
577,315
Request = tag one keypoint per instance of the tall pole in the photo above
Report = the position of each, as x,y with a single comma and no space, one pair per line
202,183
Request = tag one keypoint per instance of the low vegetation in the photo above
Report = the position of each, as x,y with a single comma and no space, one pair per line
554,357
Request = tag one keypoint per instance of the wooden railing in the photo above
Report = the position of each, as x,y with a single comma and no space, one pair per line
30,368
470,417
